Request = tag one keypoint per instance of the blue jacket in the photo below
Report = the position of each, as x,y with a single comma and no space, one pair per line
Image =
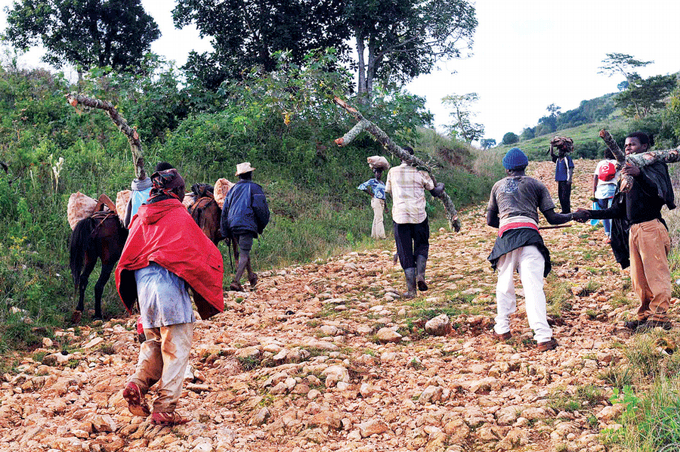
245,210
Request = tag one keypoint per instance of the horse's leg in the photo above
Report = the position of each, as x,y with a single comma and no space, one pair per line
88,266
99,288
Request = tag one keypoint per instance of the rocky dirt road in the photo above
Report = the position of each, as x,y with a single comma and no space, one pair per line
326,356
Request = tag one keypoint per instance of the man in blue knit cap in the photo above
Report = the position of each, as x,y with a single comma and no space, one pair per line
513,209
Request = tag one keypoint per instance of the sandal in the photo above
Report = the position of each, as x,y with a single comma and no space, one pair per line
167,419
135,399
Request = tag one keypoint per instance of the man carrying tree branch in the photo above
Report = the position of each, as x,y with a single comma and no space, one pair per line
407,186
648,241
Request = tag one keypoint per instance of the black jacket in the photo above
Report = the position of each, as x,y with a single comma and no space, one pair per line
245,210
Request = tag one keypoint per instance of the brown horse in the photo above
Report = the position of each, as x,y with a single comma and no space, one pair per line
207,214
100,236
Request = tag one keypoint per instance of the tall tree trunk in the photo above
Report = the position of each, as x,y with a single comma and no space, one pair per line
361,88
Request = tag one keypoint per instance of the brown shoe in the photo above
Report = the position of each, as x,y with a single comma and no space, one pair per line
135,399
168,419
547,345
502,337
253,280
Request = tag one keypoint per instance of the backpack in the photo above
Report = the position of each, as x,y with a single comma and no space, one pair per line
606,172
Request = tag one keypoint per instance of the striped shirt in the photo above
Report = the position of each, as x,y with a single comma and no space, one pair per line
407,186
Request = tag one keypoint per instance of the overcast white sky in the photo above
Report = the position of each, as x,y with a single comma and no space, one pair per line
527,54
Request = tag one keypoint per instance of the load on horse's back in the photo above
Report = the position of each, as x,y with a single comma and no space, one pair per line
206,210
99,236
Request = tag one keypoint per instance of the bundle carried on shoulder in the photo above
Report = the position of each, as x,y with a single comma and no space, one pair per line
378,162
79,206
565,144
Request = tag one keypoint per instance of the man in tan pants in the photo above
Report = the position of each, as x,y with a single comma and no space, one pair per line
648,241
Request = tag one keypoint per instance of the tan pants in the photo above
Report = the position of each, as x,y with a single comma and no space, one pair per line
649,272
378,229
163,358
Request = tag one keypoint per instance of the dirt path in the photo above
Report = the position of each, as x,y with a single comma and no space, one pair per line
299,363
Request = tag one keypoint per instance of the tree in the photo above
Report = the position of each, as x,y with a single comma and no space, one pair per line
247,33
644,96
528,133
462,115
548,124
88,33
397,40
624,64
510,138
487,143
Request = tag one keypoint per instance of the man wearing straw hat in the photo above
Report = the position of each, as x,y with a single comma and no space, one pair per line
244,215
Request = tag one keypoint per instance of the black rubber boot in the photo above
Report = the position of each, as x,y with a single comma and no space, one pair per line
421,263
410,282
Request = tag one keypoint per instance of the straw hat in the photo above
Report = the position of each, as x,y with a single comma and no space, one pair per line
243,168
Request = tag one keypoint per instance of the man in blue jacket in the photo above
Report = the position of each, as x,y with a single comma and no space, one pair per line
244,215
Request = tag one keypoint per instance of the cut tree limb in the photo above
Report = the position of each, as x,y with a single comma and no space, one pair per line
381,137
640,160
120,122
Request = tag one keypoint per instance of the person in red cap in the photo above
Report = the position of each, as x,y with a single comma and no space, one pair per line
166,254
604,187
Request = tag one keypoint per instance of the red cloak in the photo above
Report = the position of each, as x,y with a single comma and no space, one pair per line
165,233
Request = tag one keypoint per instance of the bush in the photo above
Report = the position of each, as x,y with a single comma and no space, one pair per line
510,138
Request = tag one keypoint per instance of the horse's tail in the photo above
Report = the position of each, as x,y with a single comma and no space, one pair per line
79,243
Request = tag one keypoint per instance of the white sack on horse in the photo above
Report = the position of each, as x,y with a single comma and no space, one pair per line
79,206
222,187
122,199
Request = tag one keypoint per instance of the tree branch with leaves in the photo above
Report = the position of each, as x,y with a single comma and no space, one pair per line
381,137
120,122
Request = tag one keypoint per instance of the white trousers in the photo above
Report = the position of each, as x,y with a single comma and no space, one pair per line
378,228
530,263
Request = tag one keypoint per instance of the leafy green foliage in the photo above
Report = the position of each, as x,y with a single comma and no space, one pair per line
510,138
406,38
645,96
247,34
462,123
87,33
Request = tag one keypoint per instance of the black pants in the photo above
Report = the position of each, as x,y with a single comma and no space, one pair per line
412,240
564,193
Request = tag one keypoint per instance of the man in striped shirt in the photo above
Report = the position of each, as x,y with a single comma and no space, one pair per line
407,186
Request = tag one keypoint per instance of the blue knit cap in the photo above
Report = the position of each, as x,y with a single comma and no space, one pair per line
515,159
